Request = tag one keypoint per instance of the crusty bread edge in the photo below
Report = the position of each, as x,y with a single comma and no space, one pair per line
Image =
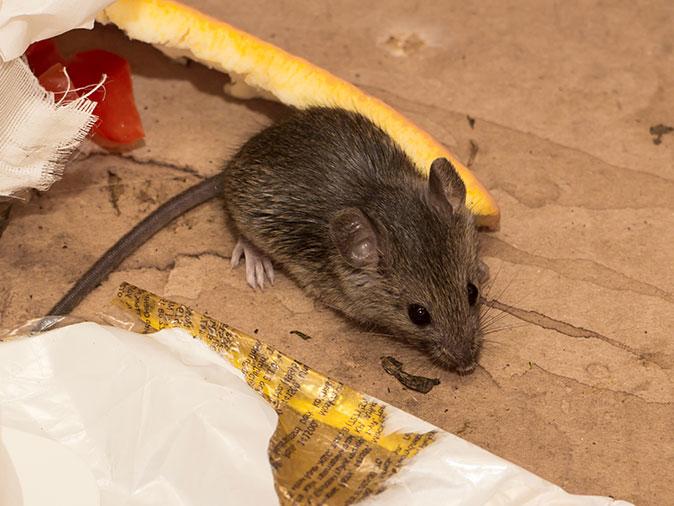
263,69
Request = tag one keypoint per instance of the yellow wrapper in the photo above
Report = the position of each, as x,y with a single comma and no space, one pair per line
330,442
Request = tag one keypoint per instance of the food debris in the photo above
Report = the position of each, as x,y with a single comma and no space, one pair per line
404,45
115,190
417,383
657,131
301,334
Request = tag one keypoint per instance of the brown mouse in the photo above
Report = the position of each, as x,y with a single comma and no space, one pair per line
331,198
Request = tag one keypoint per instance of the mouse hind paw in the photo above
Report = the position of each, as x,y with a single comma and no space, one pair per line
258,266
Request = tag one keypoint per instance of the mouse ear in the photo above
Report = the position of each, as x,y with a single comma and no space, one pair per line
355,237
445,185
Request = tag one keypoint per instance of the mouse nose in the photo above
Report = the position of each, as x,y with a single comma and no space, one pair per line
460,361
466,362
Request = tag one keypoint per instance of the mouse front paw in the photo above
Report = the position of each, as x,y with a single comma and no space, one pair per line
257,264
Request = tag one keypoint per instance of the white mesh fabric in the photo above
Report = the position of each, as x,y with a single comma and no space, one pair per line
37,135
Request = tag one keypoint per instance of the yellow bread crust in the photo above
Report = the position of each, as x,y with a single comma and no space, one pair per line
292,80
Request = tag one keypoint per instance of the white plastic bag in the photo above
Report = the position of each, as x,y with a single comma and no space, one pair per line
161,419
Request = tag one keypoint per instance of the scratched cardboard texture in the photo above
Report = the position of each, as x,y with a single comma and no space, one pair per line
579,387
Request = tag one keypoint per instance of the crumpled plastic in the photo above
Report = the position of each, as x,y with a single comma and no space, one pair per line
162,419
158,419
23,22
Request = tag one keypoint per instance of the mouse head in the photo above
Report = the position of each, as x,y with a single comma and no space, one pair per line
410,264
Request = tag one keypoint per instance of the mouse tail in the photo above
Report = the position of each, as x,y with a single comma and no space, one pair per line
140,234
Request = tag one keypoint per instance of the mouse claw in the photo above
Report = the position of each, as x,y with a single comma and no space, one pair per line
257,265
259,273
237,253
269,269
250,274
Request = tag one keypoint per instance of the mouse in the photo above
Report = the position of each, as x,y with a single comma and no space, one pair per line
329,197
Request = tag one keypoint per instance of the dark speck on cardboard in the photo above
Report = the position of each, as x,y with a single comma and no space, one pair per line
474,148
301,334
657,131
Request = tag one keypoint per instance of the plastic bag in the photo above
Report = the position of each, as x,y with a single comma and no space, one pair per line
330,443
157,419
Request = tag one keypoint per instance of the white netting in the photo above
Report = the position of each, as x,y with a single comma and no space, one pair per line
37,135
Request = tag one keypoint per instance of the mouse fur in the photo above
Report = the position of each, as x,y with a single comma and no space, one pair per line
333,199
337,203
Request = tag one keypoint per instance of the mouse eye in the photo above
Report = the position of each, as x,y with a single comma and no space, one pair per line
419,315
472,294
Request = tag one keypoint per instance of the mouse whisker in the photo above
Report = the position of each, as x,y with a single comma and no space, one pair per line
487,343
490,282
490,311
485,309
486,299
522,297
494,329
506,287
495,319
485,322
508,327
486,318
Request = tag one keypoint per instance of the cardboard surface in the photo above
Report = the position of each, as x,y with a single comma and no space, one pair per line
578,386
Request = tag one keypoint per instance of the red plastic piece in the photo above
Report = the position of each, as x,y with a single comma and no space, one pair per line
42,56
56,81
119,120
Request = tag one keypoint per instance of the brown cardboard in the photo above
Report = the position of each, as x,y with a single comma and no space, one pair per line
558,99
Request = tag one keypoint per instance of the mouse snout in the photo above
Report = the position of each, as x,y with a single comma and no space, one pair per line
467,369
466,362
462,360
